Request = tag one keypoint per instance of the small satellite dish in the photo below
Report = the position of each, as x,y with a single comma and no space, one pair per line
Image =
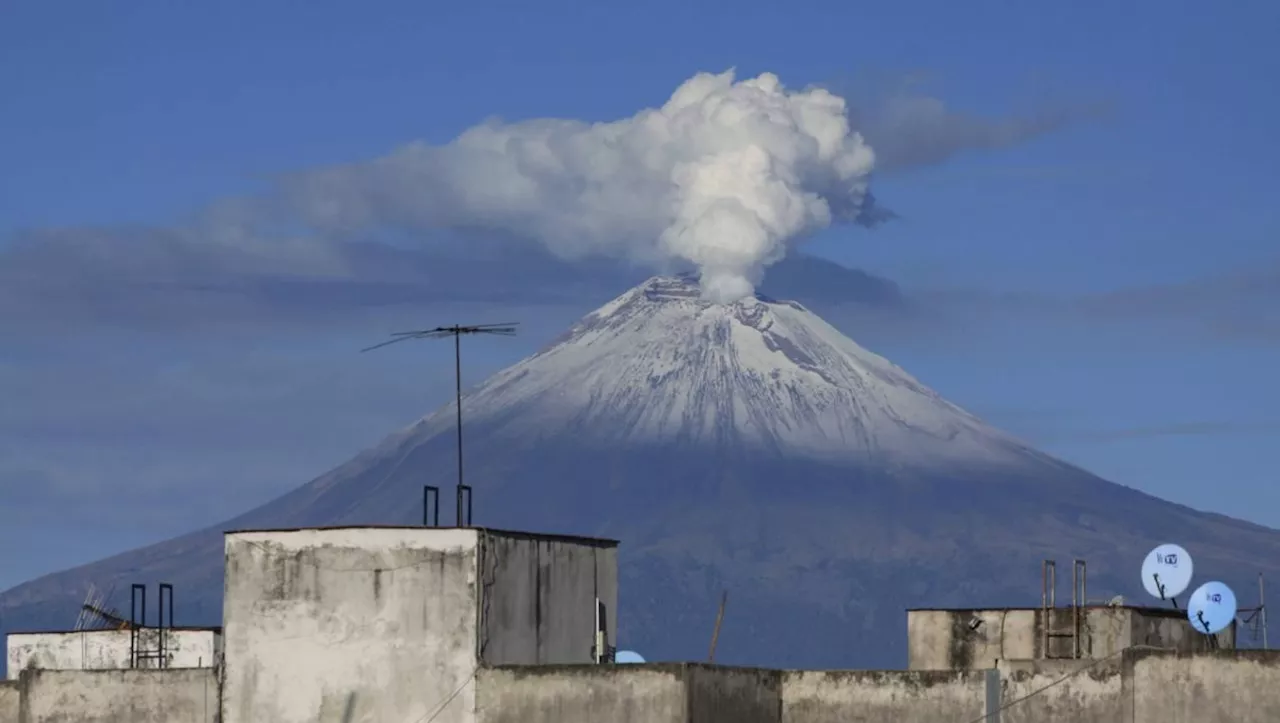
627,656
1212,608
1166,572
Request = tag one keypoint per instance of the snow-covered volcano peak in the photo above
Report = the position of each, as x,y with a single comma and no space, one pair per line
661,365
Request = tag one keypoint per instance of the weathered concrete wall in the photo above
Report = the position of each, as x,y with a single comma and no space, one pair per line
882,696
119,696
732,695
10,701
1170,629
540,594
109,649
351,624
582,694
978,639
1034,691
1221,687
649,693
944,640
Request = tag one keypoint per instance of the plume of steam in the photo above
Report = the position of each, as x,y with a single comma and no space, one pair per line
724,176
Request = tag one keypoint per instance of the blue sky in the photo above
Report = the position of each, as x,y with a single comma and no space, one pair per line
1104,283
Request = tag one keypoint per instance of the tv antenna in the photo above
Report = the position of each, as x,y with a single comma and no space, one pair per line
456,331
95,615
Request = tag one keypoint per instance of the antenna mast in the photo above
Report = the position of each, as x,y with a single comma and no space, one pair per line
456,331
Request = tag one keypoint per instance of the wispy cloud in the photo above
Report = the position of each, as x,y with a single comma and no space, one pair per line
913,131
1175,429
1243,305
411,227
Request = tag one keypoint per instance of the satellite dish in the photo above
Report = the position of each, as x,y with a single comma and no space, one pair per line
627,656
1166,572
1212,608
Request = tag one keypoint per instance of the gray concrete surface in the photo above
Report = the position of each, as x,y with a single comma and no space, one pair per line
732,695
539,596
1221,687
110,649
352,624
978,639
10,701
650,693
1031,693
392,623
119,696
582,694
882,696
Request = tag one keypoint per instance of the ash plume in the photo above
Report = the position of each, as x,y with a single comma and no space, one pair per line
724,176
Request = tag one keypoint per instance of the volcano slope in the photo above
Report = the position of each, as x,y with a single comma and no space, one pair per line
747,447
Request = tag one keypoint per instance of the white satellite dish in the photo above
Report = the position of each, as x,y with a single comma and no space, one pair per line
1212,608
627,656
1166,572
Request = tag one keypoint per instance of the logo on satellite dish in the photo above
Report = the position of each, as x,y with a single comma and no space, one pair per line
1212,608
1166,572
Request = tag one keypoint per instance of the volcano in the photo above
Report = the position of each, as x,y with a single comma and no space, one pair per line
748,447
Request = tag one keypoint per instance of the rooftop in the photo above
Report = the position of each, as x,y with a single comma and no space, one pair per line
1148,610
184,628
578,539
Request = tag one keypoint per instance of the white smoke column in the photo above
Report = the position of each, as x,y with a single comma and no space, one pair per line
724,175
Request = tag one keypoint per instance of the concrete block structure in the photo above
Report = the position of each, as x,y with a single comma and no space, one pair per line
979,639
119,696
10,701
394,623
660,693
112,649
462,625
819,696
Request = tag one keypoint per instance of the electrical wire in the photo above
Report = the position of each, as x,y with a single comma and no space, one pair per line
1084,668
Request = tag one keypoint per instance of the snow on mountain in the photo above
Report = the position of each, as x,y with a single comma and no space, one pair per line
747,446
660,365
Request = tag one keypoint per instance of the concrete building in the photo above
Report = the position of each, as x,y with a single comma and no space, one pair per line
396,625
979,639
383,624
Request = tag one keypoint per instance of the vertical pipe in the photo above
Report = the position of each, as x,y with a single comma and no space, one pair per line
457,382
1051,585
1262,605
991,707
1044,584
1075,609
457,508
715,635
430,506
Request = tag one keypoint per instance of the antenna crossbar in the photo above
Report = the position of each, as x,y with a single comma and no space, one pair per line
456,331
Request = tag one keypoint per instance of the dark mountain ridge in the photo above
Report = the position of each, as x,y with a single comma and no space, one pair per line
747,447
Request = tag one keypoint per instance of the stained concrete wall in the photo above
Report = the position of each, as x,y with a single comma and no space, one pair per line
109,649
392,623
10,701
649,693
539,596
1033,691
1220,687
119,696
582,694
349,624
882,696
733,695
947,640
